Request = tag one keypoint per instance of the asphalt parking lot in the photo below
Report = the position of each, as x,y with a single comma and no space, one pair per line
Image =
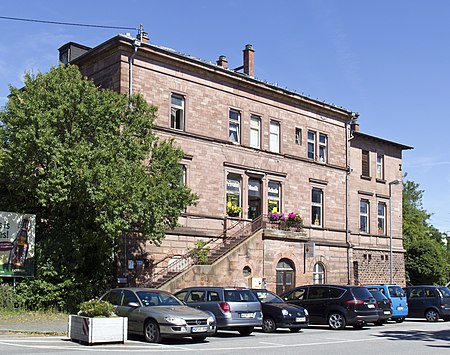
410,337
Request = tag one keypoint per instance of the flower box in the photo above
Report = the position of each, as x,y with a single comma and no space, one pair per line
98,330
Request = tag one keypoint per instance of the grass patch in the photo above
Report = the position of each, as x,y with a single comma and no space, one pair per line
23,316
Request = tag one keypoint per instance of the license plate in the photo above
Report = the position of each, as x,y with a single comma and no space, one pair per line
199,329
399,308
300,319
247,315
387,312
370,306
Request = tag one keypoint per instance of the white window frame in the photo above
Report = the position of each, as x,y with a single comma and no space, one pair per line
298,136
364,214
319,274
255,131
317,219
174,109
381,220
380,167
312,145
274,197
323,148
274,140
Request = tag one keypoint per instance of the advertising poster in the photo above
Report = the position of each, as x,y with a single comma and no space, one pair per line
17,236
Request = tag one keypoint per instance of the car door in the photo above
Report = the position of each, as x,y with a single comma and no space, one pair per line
316,303
297,296
135,321
416,302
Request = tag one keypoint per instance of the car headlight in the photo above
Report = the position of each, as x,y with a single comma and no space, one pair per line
306,312
284,312
175,320
211,320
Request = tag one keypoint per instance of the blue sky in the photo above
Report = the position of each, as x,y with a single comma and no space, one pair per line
387,60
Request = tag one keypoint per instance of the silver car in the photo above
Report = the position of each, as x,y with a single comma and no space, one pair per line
158,314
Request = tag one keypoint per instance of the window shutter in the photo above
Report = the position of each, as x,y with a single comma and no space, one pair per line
365,163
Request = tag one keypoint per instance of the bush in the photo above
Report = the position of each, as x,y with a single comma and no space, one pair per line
201,252
7,297
96,308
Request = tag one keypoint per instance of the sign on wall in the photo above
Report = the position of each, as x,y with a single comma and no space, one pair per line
17,240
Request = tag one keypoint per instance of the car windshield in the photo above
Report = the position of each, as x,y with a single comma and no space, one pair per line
268,297
445,291
396,291
240,296
149,299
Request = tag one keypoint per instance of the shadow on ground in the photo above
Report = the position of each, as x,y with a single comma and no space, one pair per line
419,335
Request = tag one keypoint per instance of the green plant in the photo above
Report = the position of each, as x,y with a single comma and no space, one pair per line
96,308
201,252
233,208
7,297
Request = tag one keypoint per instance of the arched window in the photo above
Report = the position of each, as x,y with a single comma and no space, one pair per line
285,275
318,274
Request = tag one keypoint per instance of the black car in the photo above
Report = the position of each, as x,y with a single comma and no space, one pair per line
431,302
384,305
279,314
335,305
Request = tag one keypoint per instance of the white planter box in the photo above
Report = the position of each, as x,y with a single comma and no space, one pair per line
98,330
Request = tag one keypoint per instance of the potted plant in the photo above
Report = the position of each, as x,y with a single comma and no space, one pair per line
96,322
233,210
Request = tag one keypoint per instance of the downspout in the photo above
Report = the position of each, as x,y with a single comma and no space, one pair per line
136,45
352,117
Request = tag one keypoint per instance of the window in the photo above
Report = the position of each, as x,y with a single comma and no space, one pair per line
323,148
255,132
365,171
274,196
317,293
234,126
177,112
318,274
311,145
233,195
364,216
381,218
380,166
274,137
183,177
298,136
316,207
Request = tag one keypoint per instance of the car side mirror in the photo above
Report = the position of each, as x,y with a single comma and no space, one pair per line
133,304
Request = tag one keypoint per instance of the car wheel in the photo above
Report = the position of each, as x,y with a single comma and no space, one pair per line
336,321
294,330
431,315
151,332
269,325
400,320
246,330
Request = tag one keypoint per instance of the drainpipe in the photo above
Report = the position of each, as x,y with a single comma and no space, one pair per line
136,44
352,118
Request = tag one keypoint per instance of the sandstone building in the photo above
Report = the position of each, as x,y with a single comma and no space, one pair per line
252,148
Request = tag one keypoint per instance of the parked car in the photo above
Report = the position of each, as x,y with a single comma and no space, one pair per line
397,296
384,305
335,305
234,308
157,314
431,302
279,314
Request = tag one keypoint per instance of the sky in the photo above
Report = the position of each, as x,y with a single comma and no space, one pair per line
388,60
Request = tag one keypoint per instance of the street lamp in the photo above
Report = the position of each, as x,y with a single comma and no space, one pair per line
393,182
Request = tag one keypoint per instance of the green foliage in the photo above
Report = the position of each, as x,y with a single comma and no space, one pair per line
86,162
427,260
7,297
96,308
201,252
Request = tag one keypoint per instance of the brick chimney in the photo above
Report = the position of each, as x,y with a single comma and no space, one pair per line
354,124
143,37
249,60
222,62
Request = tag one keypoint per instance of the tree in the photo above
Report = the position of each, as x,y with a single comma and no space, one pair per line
86,162
426,256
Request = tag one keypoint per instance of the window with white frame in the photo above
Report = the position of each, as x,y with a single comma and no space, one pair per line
364,216
255,131
381,218
298,136
311,145
234,126
323,147
317,207
183,177
233,195
318,274
380,167
274,143
274,196
177,111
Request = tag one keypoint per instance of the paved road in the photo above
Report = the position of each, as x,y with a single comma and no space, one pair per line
410,337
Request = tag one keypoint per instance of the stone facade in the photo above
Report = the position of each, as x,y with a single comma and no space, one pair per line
328,249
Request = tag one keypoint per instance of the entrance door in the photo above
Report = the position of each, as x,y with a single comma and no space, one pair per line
254,198
285,276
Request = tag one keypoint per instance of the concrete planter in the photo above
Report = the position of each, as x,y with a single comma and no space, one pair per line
98,330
